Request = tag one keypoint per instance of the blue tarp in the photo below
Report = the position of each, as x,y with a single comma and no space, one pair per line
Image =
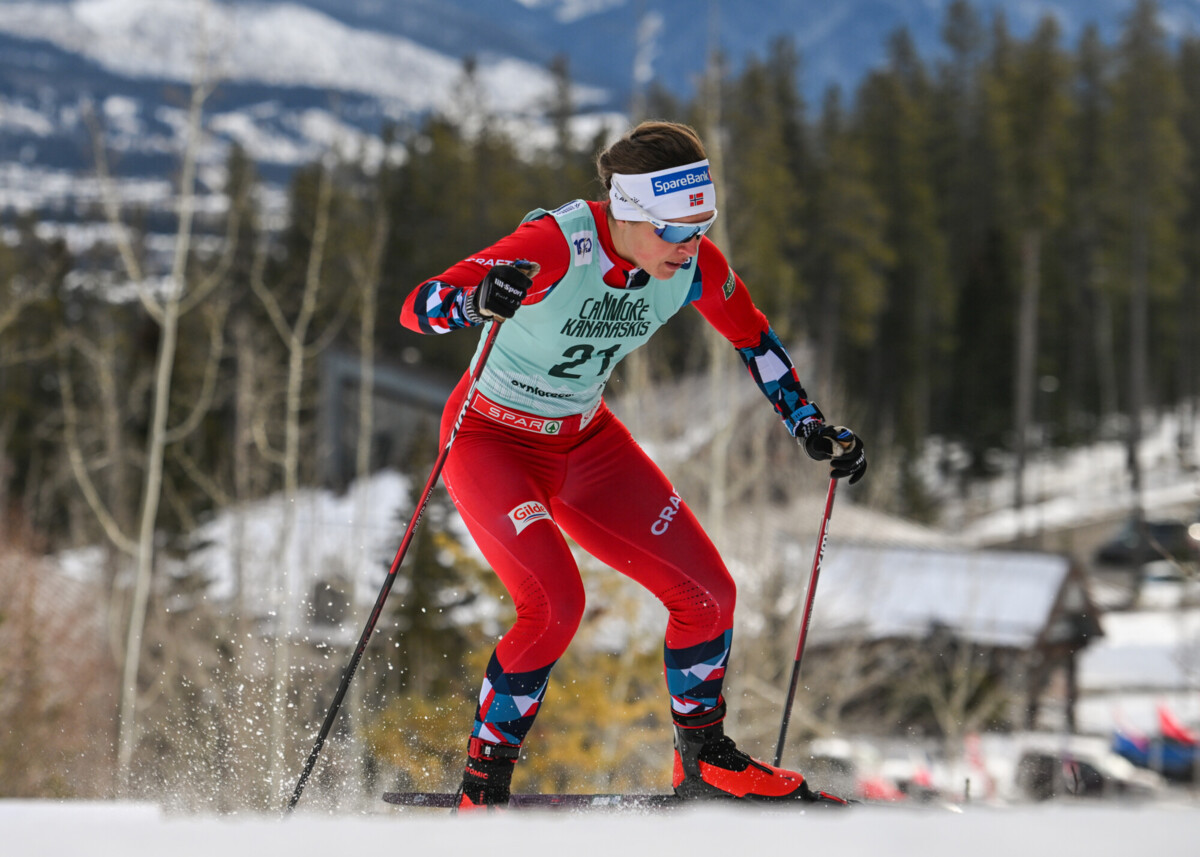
1173,759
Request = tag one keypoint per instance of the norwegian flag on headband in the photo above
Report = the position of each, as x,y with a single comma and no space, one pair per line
695,199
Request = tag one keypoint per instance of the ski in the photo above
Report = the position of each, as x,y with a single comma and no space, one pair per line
447,800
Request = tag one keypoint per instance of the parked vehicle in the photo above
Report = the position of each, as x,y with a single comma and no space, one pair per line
1156,540
1042,775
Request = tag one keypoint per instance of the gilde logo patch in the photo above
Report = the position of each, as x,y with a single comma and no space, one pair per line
526,513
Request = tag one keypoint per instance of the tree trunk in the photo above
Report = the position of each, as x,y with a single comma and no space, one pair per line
296,344
369,287
719,356
1139,300
1025,359
156,445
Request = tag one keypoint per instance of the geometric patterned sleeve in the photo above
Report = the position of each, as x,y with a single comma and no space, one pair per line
437,305
772,370
724,301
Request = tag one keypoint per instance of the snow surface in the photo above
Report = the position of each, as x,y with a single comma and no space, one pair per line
32,829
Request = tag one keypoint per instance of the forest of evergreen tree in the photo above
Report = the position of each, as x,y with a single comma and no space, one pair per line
999,249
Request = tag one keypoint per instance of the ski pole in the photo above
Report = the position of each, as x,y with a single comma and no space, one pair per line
391,575
808,607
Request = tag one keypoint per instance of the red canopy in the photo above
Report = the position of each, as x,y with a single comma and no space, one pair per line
1172,729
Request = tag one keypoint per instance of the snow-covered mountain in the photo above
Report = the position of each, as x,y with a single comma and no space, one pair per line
271,44
299,76
293,81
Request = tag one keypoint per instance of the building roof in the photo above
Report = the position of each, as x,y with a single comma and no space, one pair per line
996,598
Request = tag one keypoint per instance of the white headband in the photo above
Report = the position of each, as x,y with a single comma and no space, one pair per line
667,194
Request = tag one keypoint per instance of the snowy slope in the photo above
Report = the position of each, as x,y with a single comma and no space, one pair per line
295,81
1098,830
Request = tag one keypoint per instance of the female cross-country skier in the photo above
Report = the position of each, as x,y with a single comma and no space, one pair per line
539,453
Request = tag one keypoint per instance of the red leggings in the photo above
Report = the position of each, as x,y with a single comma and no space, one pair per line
598,486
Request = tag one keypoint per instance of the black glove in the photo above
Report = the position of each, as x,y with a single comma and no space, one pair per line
841,447
500,293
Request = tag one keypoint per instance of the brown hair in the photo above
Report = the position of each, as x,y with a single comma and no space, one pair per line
649,147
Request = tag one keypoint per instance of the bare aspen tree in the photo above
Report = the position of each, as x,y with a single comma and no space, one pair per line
367,279
720,360
167,313
295,336
166,305
635,368
367,274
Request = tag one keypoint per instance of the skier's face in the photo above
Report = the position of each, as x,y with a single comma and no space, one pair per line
636,242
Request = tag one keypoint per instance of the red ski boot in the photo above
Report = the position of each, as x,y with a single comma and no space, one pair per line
709,765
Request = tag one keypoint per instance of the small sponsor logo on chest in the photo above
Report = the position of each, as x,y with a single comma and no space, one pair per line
581,246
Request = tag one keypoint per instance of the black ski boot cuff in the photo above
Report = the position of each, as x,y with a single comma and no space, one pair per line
703,720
